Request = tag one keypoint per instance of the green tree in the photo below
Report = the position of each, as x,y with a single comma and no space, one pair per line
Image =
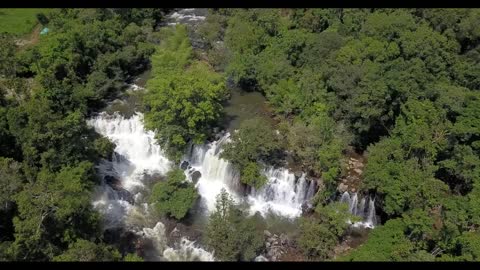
175,196
54,211
385,243
184,98
7,56
230,233
11,180
132,257
86,251
320,233
255,141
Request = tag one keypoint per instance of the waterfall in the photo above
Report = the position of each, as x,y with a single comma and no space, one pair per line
216,173
119,198
283,193
354,204
138,159
157,236
371,215
362,209
136,152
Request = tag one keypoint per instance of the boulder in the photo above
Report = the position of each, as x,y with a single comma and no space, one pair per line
307,208
195,176
342,187
113,182
357,170
184,165
283,239
175,236
125,195
267,233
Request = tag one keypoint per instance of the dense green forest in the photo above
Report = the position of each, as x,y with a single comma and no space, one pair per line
400,87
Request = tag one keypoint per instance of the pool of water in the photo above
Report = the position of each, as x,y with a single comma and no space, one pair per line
243,105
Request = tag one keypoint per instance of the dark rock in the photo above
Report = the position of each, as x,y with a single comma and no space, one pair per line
184,165
307,208
195,176
175,236
125,195
116,185
112,181
284,239
342,187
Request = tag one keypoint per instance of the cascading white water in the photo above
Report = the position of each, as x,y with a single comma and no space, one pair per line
137,153
283,194
366,212
187,251
216,173
136,156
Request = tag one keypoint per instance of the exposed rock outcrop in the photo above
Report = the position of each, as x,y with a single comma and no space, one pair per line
275,246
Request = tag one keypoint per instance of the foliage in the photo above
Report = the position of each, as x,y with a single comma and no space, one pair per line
320,233
132,257
385,243
47,150
175,196
230,233
184,98
400,84
255,141
86,251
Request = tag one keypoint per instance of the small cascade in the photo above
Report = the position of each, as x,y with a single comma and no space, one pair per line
354,204
188,16
371,215
157,236
312,189
364,210
187,251
283,194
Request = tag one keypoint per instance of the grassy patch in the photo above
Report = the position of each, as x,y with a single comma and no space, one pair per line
19,21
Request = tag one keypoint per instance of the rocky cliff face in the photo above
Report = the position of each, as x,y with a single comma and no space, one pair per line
353,178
